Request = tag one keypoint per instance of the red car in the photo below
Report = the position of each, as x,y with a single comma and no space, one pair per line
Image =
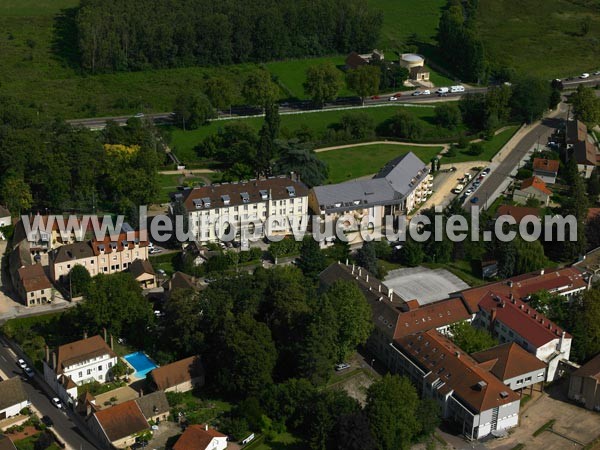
375,97
399,94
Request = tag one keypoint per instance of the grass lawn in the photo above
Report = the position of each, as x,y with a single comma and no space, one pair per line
403,20
542,37
491,148
29,443
197,410
354,162
283,441
292,74
183,142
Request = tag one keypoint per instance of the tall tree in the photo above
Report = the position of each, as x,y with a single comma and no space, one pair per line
259,90
192,110
79,280
182,323
530,98
323,82
364,80
312,260
301,159
352,432
392,404
586,105
15,193
366,256
221,92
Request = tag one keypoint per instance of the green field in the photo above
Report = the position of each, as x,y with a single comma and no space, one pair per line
542,37
354,162
408,20
183,142
491,147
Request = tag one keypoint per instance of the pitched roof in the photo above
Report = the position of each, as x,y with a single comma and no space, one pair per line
196,437
537,184
557,281
117,243
432,315
215,195
177,372
354,60
584,153
6,443
80,351
33,278
12,392
140,267
508,360
122,420
592,213
153,404
517,212
455,371
576,131
591,369
181,280
394,182
546,165
419,69
72,252
525,321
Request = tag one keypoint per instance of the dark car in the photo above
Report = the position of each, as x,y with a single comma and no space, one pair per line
474,200
46,420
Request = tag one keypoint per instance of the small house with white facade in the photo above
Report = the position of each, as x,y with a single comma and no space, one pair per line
13,397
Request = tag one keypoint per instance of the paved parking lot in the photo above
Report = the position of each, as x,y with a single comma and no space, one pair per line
425,285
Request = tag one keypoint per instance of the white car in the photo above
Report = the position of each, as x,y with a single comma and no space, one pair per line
21,362
342,366
416,93
56,402
426,92
584,75
597,73
393,99
139,115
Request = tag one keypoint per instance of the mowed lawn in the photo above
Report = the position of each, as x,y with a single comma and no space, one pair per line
355,162
491,147
542,37
291,74
406,19
184,142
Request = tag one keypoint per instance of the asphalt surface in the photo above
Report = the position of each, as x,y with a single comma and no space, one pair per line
64,425
537,134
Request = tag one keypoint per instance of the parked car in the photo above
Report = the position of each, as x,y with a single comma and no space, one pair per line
161,272
342,366
486,171
393,98
584,75
426,92
154,251
597,73
417,93
21,362
46,420
463,198
56,402
29,372
469,191
375,97
474,200
139,115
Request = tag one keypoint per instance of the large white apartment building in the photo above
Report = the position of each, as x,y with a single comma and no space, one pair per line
224,208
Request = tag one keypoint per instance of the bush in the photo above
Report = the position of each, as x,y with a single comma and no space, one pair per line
285,247
476,148
523,174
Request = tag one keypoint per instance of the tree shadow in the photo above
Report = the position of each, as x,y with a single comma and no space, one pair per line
65,38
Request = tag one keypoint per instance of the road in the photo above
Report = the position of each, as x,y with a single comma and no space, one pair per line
64,426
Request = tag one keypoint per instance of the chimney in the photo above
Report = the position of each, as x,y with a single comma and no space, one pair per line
47,354
206,427
390,293
493,314
457,354
561,342
54,361
111,342
141,392
353,269
85,334
359,271
346,261
542,272
367,278
88,409
379,287
104,329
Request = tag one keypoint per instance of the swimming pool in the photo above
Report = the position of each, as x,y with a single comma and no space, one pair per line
141,363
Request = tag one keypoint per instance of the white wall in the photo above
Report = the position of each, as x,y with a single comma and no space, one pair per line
14,409
96,369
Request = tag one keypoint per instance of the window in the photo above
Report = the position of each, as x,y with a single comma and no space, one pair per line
80,374
528,379
100,368
109,365
89,371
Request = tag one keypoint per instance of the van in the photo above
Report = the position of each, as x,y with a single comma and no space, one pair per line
442,90
457,88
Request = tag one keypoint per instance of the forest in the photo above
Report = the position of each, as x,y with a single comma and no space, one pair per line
120,35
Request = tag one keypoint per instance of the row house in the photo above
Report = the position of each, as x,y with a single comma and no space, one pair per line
582,147
213,209
468,394
33,286
400,187
108,256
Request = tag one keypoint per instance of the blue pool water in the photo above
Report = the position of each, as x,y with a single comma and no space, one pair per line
141,363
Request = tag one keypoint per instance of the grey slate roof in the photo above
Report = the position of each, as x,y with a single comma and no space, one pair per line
394,182
70,252
153,404
11,392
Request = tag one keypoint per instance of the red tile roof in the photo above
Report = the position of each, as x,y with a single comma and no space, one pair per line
177,372
537,184
517,212
557,280
525,321
456,370
33,278
122,420
276,188
592,213
508,360
196,437
546,165
430,316
108,244
354,60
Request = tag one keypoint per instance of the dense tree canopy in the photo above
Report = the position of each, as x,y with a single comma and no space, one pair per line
471,339
129,35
